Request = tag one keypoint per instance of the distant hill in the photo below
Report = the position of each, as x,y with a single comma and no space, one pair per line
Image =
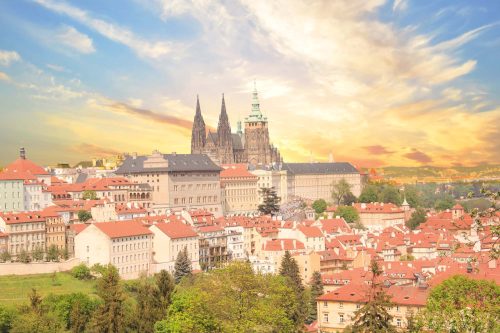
441,174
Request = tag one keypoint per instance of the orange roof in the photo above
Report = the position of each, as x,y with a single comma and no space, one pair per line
236,171
177,229
210,228
79,227
377,208
16,175
283,245
123,229
25,217
25,165
310,231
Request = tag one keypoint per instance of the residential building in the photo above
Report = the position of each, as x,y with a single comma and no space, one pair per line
240,189
377,216
128,245
170,239
213,247
178,181
26,231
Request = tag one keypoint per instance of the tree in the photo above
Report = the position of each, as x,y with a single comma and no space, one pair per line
84,216
37,253
110,316
5,256
319,206
23,257
81,272
369,194
316,291
340,190
182,265
390,195
418,217
373,317
460,304
348,213
412,196
7,317
53,253
444,202
349,199
231,299
290,270
73,310
89,195
166,285
270,201
149,305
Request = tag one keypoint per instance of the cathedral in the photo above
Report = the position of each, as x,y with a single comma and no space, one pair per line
224,147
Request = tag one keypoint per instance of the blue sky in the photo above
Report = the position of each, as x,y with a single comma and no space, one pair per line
375,82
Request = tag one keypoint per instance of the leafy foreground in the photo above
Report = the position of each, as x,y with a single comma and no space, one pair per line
232,299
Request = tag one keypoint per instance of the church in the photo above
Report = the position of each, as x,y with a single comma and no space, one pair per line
224,147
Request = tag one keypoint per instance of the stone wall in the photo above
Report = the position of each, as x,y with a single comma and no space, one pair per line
17,268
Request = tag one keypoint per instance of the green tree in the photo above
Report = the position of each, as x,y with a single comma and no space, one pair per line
23,257
373,317
316,291
7,317
390,194
418,217
5,256
460,304
149,305
340,190
53,253
290,270
84,216
231,299
74,310
89,195
319,206
348,213
182,265
412,196
369,194
81,272
110,315
444,202
270,201
38,253
166,285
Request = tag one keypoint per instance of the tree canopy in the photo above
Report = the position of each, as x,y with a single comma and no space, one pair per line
270,201
418,217
84,216
340,190
182,266
348,213
319,206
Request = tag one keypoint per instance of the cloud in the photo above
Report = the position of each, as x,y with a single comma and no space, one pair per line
109,30
377,150
78,41
8,57
126,109
418,156
56,68
399,5
93,150
4,76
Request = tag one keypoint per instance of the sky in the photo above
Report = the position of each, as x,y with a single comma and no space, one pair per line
372,82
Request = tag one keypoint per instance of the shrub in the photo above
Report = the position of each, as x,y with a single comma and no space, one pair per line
81,272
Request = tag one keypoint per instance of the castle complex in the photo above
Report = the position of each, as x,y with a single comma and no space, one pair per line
252,146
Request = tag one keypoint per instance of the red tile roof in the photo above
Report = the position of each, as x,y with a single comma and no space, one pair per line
25,217
310,231
123,229
16,175
236,171
283,244
79,227
25,165
177,229
377,208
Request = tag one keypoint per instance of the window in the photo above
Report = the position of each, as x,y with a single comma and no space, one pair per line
325,304
341,318
398,322
325,317
341,305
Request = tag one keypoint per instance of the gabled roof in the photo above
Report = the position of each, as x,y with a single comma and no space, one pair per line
320,168
236,171
25,217
176,229
310,231
123,229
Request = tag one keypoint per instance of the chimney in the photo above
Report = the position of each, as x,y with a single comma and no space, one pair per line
282,244
22,153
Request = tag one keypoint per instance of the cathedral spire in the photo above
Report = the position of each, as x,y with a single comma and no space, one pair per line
198,134
256,114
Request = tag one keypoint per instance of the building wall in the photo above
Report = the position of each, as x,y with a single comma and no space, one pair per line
55,232
240,195
319,186
16,268
92,246
132,255
11,196
308,264
27,236
104,213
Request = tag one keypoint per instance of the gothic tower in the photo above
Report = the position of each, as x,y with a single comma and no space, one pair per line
257,146
224,137
198,134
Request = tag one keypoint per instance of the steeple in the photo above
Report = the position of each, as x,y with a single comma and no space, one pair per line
198,134
224,137
22,153
256,114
